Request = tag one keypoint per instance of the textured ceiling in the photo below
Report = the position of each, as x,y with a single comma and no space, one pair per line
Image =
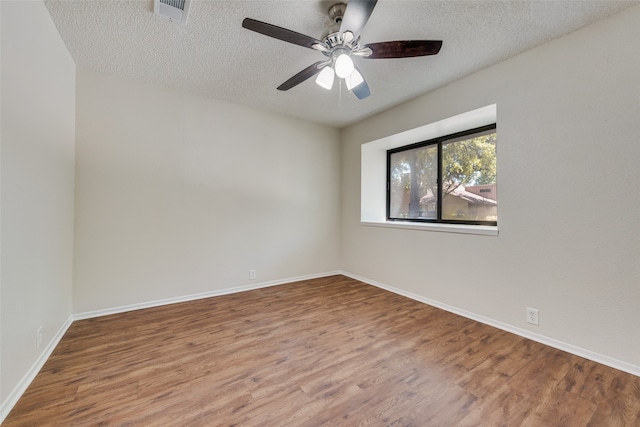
212,55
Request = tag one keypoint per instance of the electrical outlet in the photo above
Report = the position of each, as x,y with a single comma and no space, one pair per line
532,316
252,274
39,338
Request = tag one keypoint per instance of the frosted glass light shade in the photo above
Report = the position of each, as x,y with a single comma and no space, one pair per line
354,79
343,66
325,78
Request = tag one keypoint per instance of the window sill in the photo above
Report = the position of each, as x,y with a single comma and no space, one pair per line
484,230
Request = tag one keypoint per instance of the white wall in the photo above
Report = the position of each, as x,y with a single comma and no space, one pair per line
569,185
179,195
37,188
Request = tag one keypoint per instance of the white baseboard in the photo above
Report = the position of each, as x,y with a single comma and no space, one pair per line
24,383
551,342
193,297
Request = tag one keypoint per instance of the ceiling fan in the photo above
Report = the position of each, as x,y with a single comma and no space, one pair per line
340,43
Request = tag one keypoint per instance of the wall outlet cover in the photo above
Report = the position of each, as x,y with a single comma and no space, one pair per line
533,316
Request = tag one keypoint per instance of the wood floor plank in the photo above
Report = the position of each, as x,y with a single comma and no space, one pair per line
330,351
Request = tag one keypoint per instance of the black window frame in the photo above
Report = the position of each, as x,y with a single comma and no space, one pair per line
439,141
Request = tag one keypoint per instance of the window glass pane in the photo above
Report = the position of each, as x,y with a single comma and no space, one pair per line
413,183
469,178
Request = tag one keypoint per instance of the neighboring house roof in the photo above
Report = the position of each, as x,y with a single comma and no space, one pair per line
461,193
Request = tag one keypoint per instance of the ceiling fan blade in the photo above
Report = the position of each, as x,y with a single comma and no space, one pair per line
356,16
303,75
280,33
403,49
362,90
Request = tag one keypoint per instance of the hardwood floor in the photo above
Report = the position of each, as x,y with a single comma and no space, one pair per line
330,351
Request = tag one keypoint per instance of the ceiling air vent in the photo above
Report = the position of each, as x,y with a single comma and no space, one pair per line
173,10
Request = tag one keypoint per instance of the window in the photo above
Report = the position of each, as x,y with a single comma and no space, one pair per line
449,179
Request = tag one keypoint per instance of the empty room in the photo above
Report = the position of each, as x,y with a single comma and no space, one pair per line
313,212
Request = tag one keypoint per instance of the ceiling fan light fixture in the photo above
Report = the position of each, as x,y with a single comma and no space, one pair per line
344,66
325,78
354,79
